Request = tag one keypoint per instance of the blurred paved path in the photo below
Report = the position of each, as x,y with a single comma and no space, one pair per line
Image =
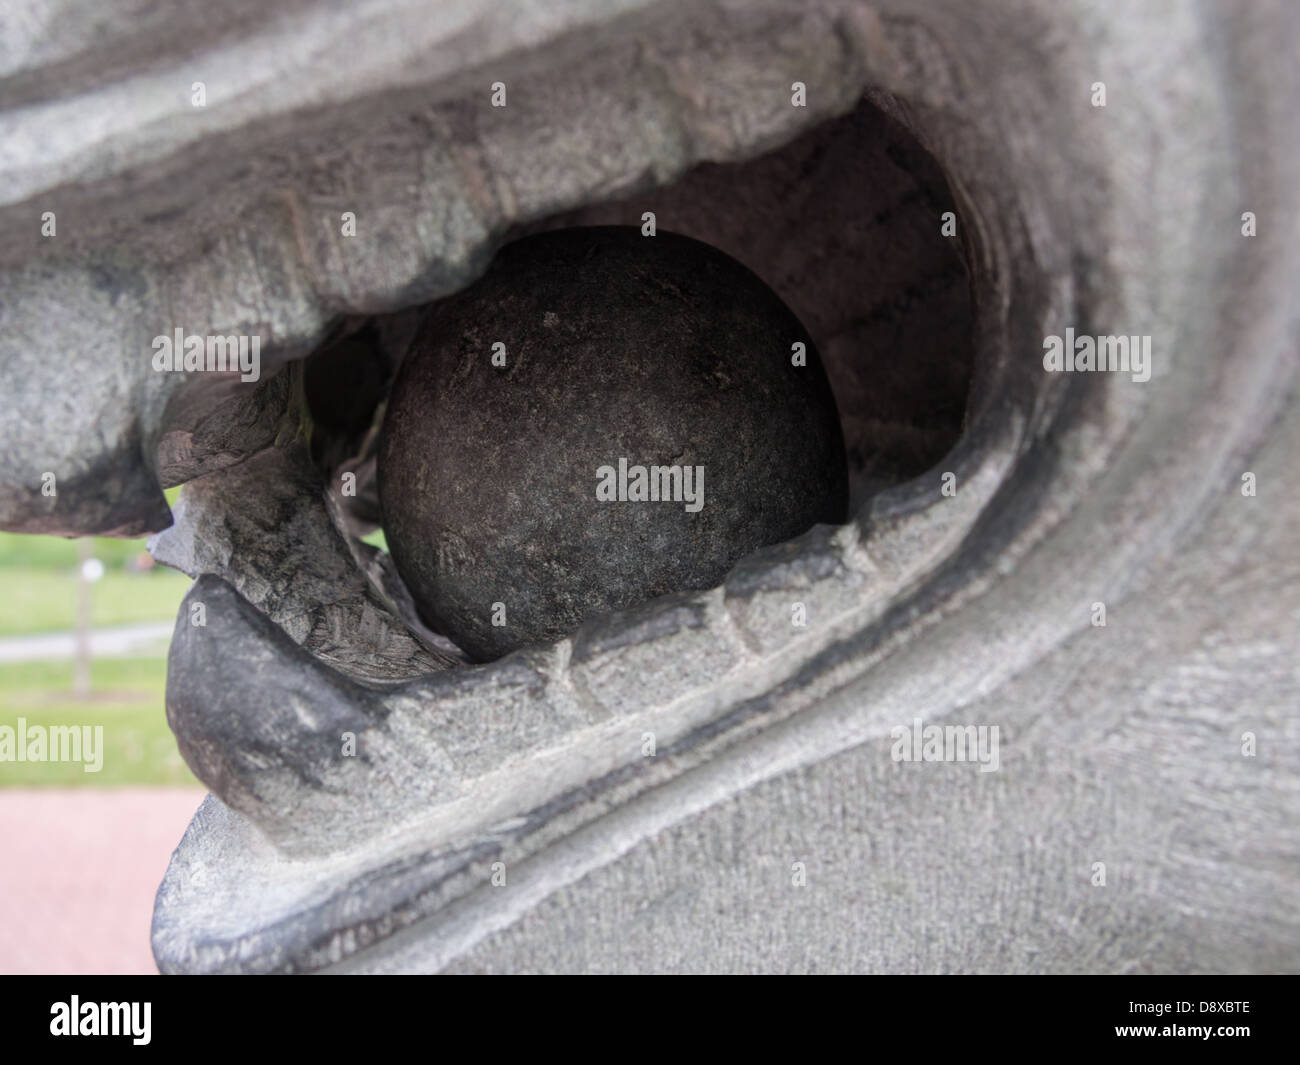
78,872
105,642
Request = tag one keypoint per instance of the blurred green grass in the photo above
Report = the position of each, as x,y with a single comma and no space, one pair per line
38,583
126,699
38,590
19,550
46,600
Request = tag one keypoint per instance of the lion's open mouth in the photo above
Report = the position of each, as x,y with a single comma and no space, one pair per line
855,226
915,204
853,222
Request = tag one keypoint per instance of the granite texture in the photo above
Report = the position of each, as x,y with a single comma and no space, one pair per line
698,784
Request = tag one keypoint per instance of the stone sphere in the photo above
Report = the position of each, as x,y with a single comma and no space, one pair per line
602,418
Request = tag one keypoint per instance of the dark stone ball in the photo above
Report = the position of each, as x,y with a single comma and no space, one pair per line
659,351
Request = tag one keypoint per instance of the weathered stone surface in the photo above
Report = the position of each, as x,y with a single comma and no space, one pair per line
655,653
1120,744
508,476
297,566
